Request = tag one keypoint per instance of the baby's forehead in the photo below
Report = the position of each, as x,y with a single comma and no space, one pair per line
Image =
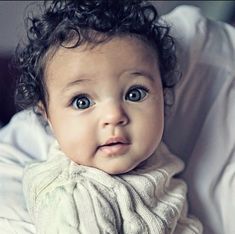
112,58
134,42
118,45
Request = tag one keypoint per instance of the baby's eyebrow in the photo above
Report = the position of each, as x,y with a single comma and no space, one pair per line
75,83
143,74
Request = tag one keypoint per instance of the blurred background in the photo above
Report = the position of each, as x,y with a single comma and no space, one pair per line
12,30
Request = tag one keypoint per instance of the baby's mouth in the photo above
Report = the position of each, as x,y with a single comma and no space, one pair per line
115,146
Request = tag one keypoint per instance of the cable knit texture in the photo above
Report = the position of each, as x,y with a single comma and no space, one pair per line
63,197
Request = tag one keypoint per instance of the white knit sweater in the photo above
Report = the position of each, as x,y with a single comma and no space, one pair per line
66,198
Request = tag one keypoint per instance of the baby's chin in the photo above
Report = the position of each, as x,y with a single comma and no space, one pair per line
123,169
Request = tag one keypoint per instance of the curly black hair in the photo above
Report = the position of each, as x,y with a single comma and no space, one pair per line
96,21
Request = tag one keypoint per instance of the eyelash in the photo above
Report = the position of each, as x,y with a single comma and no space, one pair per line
87,96
139,96
79,97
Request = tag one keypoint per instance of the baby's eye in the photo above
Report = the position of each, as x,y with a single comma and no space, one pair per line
82,102
136,94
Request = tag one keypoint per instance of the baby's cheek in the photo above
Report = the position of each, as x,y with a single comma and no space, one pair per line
152,136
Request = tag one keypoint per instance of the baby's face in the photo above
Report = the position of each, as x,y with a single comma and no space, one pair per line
106,103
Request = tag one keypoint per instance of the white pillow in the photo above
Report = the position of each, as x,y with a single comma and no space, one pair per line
200,129
23,140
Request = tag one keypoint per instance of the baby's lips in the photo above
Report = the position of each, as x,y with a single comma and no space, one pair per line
116,140
114,149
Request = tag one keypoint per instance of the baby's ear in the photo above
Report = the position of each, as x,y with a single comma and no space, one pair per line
41,110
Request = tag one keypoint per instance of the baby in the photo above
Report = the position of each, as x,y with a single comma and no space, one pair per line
98,71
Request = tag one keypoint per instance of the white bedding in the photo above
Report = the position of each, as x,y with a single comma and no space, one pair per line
200,129
22,141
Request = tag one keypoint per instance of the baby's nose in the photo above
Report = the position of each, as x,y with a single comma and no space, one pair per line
114,114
